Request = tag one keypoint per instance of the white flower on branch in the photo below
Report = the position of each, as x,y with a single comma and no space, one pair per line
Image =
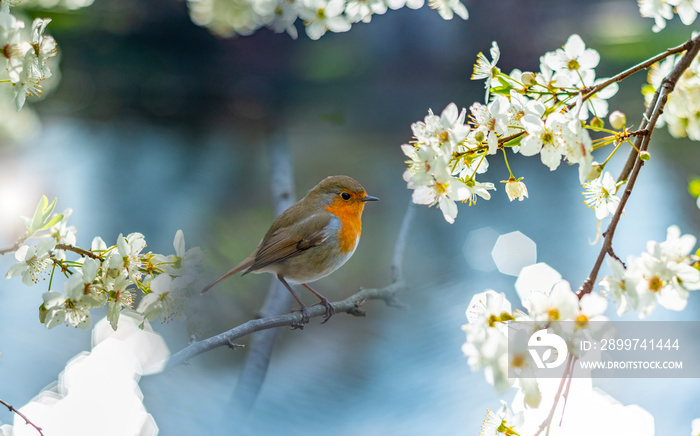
33,260
515,189
449,8
687,10
491,120
574,61
362,10
682,112
600,195
659,10
485,69
502,422
444,190
321,16
663,275
120,297
128,257
520,106
165,299
544,138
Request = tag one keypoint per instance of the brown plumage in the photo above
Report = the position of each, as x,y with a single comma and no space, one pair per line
311,239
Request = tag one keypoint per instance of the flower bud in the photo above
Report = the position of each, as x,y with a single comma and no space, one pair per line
644,155
617,120
597,123
528,78
594,173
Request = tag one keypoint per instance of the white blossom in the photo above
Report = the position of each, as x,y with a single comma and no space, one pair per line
32,261
600,195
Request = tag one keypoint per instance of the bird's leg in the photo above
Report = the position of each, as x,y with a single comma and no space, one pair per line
324,302
302,307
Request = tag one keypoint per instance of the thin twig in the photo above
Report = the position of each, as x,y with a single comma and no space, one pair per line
66,247
641,143
77,250
567,373
591,90
13,248
21,415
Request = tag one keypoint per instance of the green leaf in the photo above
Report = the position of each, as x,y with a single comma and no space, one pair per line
48,210
694,187
53,221
38,214
514,142
501,90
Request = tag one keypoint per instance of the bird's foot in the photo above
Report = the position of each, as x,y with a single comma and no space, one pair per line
305,318
330,310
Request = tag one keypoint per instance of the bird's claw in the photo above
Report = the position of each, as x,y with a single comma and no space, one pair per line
330,310
305,318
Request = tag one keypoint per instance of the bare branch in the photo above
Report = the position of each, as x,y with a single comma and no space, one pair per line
351,305
11,249
21,415
651,117
77,250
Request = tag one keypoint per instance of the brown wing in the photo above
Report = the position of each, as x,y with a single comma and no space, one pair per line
291,241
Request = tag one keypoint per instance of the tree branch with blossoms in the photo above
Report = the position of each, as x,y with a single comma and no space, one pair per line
557,113
116,276
651,117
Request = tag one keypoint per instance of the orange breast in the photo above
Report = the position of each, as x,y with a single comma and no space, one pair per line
350,214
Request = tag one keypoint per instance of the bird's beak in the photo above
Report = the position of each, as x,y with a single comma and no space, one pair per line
369,198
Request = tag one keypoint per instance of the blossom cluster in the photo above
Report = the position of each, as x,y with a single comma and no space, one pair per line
539,113
662,10
105,275
491,320
663,275
244,17
682,111
25,60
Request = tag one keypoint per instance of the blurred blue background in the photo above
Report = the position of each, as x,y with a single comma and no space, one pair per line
158,125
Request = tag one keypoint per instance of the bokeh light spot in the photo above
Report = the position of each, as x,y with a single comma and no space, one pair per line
512,252
479,242
539,277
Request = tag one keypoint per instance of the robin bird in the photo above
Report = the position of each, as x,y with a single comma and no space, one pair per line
311,239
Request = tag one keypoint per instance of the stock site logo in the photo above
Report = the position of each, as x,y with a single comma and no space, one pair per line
553,347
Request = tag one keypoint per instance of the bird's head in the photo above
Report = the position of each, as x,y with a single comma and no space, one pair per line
341,194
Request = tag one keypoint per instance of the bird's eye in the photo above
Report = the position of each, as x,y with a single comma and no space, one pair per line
345,196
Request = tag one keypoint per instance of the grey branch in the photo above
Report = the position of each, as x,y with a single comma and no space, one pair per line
351,305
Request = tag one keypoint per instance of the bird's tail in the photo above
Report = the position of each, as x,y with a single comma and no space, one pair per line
247,263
